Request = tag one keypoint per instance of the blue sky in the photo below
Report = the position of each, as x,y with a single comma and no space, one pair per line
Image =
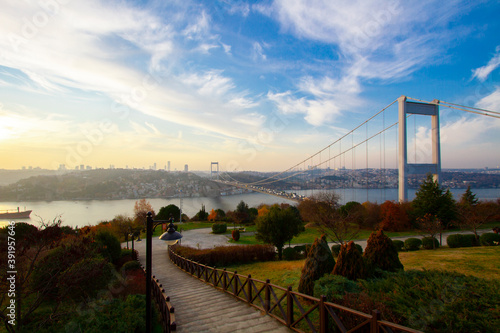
257,85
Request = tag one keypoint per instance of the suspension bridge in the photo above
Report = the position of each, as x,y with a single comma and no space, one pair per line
394,145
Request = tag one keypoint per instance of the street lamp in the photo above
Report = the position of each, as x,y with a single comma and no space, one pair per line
171,237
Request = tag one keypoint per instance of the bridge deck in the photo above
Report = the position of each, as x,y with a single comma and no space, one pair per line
200,307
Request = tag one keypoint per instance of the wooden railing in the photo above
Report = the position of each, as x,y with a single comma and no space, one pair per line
299,312
166,308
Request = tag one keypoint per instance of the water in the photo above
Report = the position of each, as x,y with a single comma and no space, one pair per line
82,213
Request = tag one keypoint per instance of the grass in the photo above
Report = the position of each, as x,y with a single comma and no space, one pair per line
184,226
480,262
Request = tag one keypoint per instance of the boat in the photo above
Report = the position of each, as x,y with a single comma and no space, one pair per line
6,214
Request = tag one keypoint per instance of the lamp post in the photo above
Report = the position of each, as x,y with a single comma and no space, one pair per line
171,237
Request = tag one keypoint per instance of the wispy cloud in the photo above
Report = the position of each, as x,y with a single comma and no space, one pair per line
483,72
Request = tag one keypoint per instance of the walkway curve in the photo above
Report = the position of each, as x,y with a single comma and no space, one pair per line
200,307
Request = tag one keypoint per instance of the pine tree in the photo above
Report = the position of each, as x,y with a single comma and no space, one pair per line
432,199
319,262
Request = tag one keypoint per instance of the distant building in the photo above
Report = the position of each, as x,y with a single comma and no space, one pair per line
168,166
185,168
62,167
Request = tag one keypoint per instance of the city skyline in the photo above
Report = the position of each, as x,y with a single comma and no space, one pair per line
255,85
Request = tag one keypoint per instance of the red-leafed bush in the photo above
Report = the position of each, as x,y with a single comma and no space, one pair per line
227,255
235,234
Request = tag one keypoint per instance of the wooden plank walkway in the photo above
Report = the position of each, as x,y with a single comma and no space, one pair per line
200,307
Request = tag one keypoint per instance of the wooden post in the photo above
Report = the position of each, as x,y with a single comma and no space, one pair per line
374,324
289,307
235,277
323,316
224,280
249,289
267,304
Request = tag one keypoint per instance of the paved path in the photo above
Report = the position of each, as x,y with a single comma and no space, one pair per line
200,307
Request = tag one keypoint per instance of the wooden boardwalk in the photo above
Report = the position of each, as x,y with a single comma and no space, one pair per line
200,307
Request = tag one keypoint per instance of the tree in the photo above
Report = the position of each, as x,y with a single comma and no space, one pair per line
432,199
167,212
122,226
394,218
319,262
141,209
202,215
430,225
473,216
242,213
468,198
278,227
323,209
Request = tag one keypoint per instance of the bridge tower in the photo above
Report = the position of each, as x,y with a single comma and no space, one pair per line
405,169
216,171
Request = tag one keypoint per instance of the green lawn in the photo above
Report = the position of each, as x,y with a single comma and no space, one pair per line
476,261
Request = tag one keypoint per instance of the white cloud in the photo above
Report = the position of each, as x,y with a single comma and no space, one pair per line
258,52
483,72
490,102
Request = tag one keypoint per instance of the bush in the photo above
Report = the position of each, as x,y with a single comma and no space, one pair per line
110,246
131,265
460,240
86,278
219,228
113,316
289,253
335,250
399,244
381,253
334,287
489,239
412,244
350,263
470,240
427,243
319,262
455,240
222,256
301,250
236,235
437,301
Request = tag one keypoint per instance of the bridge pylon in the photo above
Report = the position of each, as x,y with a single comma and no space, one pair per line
216,171
404,168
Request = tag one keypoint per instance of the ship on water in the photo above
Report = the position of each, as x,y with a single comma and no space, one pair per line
12,214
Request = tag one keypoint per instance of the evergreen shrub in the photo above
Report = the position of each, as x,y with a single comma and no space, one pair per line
470,240
413,244
489,239
399,244
334,287
454,240
381,253
350,263
219,228
319,262
427,243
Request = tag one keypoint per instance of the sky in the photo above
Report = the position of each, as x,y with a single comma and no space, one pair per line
253,85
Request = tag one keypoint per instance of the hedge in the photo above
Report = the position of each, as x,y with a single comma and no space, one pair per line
222,256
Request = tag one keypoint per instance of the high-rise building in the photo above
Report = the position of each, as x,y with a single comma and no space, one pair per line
185,168
168,166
